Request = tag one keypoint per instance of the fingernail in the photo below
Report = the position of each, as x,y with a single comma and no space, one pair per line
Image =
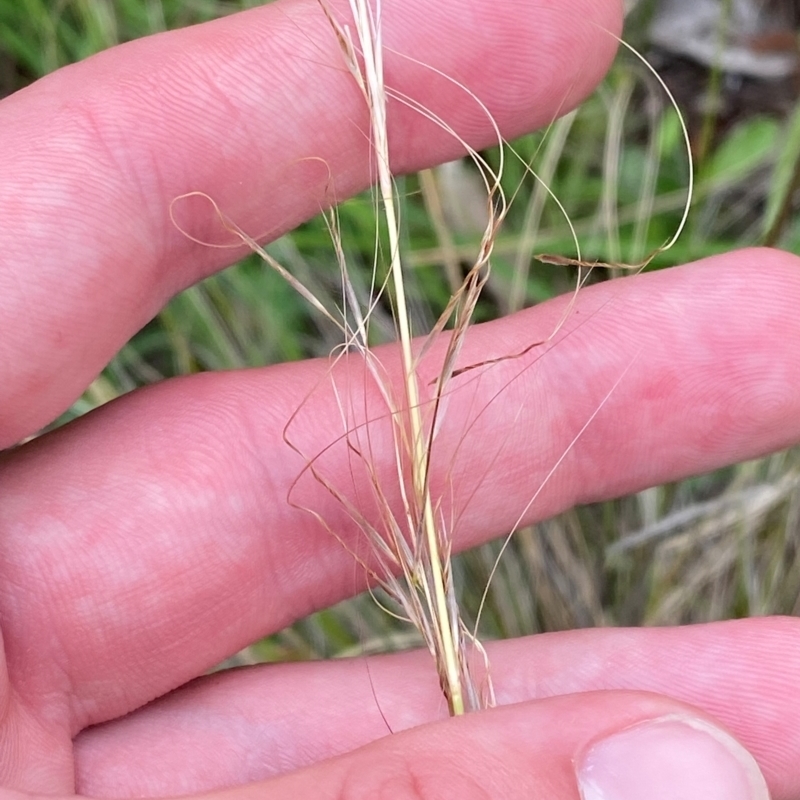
668,758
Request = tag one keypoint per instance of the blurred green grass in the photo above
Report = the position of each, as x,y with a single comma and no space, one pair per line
715,546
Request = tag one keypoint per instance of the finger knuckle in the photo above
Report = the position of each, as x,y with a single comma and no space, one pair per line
414,777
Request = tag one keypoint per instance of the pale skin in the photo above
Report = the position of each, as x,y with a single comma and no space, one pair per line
151,539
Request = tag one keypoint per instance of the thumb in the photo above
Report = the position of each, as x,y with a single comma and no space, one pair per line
593,746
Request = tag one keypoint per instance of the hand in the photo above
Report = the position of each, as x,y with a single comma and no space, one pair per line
150,539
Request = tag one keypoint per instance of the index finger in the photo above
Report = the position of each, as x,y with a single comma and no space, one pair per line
93,156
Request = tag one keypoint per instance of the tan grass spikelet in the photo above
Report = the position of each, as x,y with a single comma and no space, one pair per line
418,543
410,540
436,613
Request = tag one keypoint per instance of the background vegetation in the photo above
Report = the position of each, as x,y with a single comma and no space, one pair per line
711,547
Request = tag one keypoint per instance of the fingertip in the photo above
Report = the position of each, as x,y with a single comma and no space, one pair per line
678,755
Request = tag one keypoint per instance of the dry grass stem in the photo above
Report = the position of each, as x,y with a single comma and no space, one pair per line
418,543
407,527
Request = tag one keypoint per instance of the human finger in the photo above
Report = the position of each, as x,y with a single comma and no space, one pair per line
696,365
594,746
257,111
250,724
